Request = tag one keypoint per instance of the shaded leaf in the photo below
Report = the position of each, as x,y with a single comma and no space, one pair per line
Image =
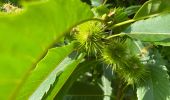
132,9
69,88
87,92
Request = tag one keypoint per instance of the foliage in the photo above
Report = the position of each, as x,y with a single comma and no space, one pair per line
89,49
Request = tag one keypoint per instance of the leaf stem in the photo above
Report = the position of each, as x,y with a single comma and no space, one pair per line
123,23
123,92
135,19
115,35
104,2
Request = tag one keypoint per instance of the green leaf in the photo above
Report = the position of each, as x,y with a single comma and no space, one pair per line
62,79
66,65
158,86
151,30
45,85
80,70
25,38
46,71
153,7
149,9
102,90
106,83
96,2
132,9
99,11
134,47
88,92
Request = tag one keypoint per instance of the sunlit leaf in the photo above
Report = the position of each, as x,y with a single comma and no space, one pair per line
152,7
151,30
46,72
158,86
62,79
25,38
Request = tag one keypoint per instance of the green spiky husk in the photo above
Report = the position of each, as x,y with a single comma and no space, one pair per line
89,37
128,67
114,54
133,71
